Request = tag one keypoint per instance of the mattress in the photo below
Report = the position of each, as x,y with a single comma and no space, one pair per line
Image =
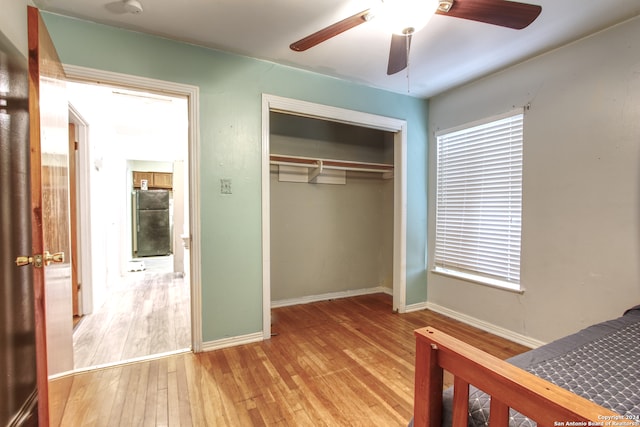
599,363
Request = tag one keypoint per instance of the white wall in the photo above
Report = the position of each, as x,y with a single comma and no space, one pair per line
13,22
581,194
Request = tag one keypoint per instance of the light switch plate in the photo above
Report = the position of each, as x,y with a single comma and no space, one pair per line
225,186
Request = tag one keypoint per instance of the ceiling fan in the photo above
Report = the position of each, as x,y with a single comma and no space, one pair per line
405,17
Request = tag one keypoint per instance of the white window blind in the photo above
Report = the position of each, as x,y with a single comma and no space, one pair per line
479,202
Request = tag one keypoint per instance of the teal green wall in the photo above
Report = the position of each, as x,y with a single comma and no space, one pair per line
231,89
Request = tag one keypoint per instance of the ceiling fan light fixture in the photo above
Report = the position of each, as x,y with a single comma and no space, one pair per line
405,17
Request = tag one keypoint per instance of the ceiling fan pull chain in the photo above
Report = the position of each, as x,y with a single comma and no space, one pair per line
408,45
408,81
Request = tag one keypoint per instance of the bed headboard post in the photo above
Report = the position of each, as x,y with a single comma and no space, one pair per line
427,409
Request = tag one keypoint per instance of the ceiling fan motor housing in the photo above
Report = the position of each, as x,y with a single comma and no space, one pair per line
445,5
133,6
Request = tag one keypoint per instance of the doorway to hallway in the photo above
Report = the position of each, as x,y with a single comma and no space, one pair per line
132,306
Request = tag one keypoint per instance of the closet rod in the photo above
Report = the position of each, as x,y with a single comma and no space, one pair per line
344,168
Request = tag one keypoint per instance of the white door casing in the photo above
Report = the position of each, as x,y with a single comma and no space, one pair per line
83,74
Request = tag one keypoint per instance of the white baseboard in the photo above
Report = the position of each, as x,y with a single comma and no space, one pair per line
330,296
485,326
415,307
232,341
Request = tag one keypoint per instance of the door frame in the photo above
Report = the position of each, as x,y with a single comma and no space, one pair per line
90,75
351,117
85,270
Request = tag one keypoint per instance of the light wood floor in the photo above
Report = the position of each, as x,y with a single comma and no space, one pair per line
146,313
345,362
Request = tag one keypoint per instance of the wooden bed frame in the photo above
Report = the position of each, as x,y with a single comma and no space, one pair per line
508,386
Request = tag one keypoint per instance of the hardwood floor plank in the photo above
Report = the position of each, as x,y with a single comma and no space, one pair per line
183,394
173,400
135,396
108,388
120,396
142,397
347,362
162,405
76,404
163,373
151,403
59,392
196,380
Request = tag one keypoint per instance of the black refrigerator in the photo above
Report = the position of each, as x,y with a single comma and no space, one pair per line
152,223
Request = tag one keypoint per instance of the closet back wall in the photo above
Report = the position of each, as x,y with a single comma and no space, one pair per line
326,238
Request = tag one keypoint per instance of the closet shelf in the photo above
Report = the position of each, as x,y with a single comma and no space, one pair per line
318,165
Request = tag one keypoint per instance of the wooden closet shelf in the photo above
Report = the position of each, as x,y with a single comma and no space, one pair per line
384,168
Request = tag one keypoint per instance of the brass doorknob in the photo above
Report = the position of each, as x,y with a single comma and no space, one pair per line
36,260
24,260
56,257
39,260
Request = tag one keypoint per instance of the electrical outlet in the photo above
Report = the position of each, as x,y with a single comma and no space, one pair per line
225,186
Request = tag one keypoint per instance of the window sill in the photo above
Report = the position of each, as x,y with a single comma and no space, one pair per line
486,281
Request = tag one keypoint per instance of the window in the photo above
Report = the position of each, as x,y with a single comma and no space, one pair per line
479,201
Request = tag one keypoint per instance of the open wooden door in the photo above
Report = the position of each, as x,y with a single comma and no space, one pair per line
48,110
18,391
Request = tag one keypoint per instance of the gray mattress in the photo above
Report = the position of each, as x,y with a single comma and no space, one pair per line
600,363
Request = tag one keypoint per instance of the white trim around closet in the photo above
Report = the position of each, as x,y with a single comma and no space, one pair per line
357,118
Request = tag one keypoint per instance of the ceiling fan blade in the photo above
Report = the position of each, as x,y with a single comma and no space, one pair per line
504,13
330,31
398,53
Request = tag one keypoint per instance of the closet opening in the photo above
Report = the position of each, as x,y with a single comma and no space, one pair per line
334,186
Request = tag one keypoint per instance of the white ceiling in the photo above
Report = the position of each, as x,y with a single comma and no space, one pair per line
128,122
446,53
